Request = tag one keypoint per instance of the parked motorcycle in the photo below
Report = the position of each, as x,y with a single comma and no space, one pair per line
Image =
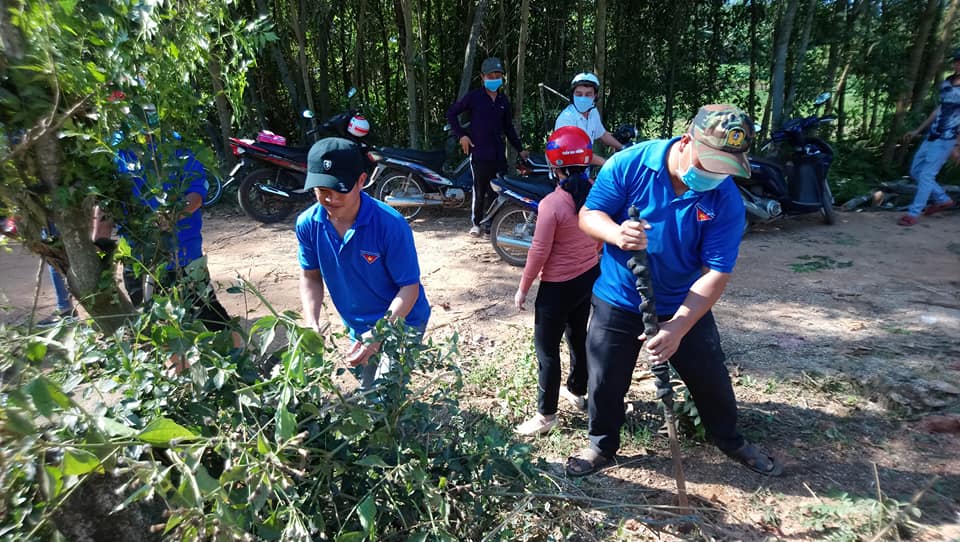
410,180
790,176
273,190
513,216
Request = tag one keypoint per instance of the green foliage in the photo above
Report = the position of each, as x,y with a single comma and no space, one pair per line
688,416
260,442
817,262
517,389
842,518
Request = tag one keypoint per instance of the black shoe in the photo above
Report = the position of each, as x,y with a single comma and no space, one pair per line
58,317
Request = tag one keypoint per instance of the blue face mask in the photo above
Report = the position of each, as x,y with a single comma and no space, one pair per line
583,103
699,180
493,85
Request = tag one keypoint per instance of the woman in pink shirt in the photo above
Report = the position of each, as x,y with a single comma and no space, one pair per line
567,262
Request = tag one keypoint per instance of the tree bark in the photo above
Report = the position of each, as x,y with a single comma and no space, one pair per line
521,60
754,52
935,66
778,74
224,114
288,81
600,49
405,16
471,50
800,58
296,7
906,87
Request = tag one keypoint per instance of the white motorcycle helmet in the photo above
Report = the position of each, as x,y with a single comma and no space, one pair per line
585,78
359,126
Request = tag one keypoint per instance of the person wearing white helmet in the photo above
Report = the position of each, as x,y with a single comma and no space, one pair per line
582,113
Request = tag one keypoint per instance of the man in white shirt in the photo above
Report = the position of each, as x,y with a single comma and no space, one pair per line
582,113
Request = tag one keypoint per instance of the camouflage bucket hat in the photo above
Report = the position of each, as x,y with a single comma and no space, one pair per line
722,135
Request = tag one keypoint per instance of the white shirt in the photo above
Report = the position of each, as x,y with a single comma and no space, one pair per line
592,124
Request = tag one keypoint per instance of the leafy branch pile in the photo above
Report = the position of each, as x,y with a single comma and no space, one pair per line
246,444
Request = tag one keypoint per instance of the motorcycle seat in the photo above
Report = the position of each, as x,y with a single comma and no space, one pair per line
432,159
535,189
296,154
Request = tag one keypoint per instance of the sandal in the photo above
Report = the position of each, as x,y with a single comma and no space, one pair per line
756,460
586,461
939,207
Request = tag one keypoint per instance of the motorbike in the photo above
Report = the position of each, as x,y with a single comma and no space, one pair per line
410,180
789,177
274,174
512,218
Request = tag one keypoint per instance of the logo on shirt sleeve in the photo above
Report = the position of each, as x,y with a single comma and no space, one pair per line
369,256
704,215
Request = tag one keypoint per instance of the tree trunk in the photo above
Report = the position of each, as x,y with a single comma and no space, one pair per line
778,74
935,66
324,104
296,7
913,69
471,50
754,52
405,16
288,81
521,61
224,114
800,58
600,48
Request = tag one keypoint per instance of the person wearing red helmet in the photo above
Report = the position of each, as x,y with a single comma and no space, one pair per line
582,113
566,260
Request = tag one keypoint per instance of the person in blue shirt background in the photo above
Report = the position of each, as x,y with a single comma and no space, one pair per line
364,252
691,223
491,118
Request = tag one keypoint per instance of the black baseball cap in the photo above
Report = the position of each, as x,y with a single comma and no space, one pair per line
334,163
490,65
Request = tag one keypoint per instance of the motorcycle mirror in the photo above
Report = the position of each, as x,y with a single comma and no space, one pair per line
822,98
352,92
757,127
307,114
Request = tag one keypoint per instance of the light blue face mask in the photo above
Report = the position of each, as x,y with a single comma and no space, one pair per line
583,103
492,85
699,180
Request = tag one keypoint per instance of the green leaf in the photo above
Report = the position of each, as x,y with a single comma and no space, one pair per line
18,423
173,50
262,447
286,425
355,536
372,461
205,482
367,510
36,351
68,6
51,480
114,428
76,462
418,537
96,73
162,431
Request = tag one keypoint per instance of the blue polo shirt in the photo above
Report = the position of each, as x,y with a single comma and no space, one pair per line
363,271
187,244
688,233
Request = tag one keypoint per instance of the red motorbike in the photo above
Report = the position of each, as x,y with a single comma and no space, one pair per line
274,174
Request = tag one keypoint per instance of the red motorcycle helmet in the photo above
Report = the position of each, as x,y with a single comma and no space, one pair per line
569,146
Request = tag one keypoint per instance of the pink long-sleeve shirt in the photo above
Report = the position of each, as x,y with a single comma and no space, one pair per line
560,250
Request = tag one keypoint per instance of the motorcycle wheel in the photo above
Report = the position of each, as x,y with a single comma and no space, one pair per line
826,204
513,225
261,206
400,185
214,186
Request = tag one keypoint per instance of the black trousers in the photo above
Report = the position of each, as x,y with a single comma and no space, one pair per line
612,350
200,294
562,310
483,171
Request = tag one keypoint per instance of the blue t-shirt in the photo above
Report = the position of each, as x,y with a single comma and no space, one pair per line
688,233
947,123
364,270
187,244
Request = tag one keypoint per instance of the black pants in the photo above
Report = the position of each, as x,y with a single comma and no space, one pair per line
483,171
200,294
562,310
612,350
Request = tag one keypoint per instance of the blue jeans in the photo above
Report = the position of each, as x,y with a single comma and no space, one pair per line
60,287
612,350
926,165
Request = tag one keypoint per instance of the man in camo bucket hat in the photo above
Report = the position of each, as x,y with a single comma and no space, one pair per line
691,219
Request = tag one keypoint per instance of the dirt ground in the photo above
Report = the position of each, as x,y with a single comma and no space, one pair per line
842,340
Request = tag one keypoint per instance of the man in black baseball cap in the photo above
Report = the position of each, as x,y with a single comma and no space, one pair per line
362,250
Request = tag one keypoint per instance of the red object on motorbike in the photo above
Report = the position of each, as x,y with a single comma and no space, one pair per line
266,136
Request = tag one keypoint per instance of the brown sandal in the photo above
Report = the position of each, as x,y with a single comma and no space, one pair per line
586,461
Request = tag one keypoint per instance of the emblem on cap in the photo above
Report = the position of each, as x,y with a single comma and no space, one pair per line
735,137
327,165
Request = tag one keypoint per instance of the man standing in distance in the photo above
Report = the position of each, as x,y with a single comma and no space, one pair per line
361,249
491,118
